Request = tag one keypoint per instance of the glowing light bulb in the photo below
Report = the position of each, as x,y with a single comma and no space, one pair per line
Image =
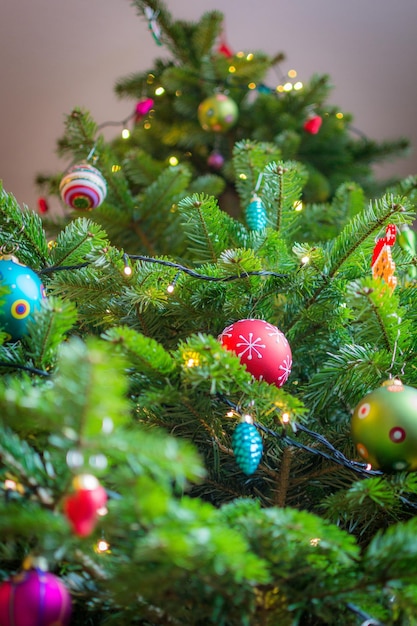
298,85
173,160
292,73
159,91
279,88
101,546
10,484
305,259
232,69
287,87
230,414
339,115
250,56
102,511
285,418
242,176
298,205
315,541
170,288
125,133
127,270
252,86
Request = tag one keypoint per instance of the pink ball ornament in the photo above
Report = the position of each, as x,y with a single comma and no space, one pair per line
142,108
215,161
34,597
83,187
261,347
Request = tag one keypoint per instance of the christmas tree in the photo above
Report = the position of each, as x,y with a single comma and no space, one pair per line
210,415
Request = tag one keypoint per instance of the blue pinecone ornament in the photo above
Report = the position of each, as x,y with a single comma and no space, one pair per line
247,447
256,214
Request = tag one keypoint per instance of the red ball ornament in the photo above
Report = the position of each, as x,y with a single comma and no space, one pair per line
34,597
43,205
262,347
81,508
312,124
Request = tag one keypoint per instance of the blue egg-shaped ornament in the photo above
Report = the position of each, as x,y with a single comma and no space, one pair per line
21,294
255,213
247,446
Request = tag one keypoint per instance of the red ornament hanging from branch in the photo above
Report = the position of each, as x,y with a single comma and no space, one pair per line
312,124
383,266
223,48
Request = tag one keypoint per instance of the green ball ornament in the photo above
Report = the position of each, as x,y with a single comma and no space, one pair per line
384,427
217,113
24,292
247,447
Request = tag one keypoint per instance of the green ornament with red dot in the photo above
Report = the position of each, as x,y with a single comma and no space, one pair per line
384,427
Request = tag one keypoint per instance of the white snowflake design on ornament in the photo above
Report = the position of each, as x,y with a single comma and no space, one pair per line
286,369
251,346
273,331
227,332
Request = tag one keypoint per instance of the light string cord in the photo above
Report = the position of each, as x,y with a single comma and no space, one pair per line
333,455
171,264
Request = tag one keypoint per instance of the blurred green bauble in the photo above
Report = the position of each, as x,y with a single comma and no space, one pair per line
384,427
217,113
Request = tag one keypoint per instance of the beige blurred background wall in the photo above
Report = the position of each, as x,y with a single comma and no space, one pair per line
57,54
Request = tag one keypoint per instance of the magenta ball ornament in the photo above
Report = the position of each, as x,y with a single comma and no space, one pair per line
83,187
261,347
217,113
384,427
215,161
34,597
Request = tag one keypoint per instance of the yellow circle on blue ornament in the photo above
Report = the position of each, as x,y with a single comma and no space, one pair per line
384,427
21,294
20,309
217,113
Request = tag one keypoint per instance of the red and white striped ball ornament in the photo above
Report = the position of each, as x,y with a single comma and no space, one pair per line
261,347
83,187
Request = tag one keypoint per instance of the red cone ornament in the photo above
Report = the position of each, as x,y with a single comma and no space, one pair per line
34,597
81,508
262,347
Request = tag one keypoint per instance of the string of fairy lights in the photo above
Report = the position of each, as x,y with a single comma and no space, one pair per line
326,451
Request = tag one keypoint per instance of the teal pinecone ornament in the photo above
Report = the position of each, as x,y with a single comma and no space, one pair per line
256,214
247,447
